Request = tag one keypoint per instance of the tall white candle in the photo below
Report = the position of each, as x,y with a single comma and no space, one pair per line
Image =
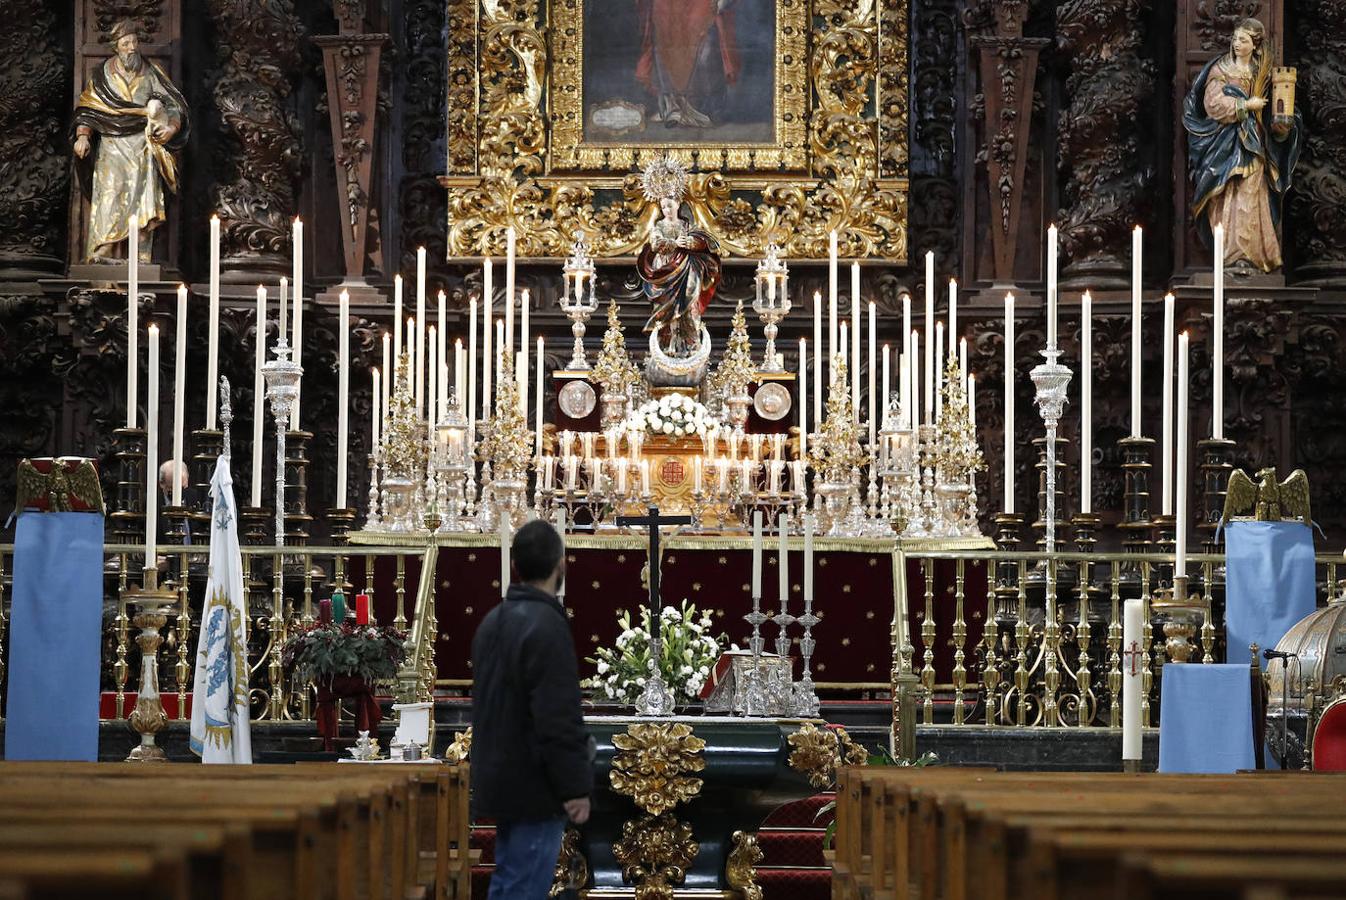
913,362
808,561
831,342
953,312
432,387
906,324
343,391
460,370
1051,286
132,319
180,390
1086,403
283,329
962,360
470,407
1136,257
817,357
832,294
803,400
523,353
845,345
882,409
873,345
374,410
929,366
421,325
783,561
297,341
152,449
397,327
1008,502
1180,472
903,390
1166,442
939,369
213,332
1217,343
388,364
972,402
504,555
258,396
856,334
510,239
440,354
757,554
1132,678
538,399
499,352
487,340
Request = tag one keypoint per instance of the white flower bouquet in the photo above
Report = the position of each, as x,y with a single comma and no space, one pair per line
675,415
689,653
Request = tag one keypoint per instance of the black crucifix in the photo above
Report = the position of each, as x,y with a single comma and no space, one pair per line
652,521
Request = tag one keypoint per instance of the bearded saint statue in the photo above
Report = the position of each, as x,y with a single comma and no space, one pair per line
679,266
129,123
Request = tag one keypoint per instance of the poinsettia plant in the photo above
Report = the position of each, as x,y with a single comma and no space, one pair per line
328,650
688,654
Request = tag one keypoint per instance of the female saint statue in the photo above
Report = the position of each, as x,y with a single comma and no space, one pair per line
1240,156
679,267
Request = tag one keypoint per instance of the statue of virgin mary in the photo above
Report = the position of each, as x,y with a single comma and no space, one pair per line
1240,156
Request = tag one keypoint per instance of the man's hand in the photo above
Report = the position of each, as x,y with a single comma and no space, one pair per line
162,134
686,241
82,146
578,810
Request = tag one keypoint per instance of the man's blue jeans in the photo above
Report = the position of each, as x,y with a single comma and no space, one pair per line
525,858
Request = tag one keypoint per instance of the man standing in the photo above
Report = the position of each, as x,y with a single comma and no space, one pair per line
129,122
531,757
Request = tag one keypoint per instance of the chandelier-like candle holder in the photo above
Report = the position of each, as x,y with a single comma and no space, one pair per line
282,376
451,463
1051,378
957,458
772,303
507,446
401,460
837,455
578,268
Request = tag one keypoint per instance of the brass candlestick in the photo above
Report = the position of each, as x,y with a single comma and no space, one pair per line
128,505
255,520
1165,541
1179,611
297,519
1137,453
1217,462
339,523
152,607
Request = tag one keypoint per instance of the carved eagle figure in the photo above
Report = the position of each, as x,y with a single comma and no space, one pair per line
1266,500
59,485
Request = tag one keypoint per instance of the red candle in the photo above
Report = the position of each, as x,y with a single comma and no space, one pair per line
325,611
361,609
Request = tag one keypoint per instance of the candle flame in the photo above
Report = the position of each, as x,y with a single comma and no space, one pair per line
397,279
345,297
154,330
1169,298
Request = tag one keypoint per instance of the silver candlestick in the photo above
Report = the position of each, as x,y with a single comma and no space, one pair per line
755,697
772,303
1051,378
282,376
578,268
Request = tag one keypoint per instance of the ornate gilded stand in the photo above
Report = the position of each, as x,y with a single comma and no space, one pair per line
152,607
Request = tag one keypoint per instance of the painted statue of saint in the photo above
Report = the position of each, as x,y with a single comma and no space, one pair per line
688,57
679,266
129,124
1241,157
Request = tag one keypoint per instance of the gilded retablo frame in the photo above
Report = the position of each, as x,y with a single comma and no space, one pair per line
516,154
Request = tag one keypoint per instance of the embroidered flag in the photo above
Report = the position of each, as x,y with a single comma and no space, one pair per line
220,728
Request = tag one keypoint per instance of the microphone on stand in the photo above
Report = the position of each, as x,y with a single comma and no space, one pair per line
1278,654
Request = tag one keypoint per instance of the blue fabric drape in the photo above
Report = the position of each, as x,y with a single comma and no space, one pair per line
1206,719
56,616
1269,583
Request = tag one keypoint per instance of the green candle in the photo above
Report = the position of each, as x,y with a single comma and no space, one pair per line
338,607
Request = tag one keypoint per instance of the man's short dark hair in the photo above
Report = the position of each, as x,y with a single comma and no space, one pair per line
537,550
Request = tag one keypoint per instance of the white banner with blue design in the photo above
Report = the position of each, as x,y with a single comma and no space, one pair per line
220,728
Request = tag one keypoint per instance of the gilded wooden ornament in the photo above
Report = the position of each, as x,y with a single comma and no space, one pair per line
517,155
740,870
653,763
461,748
572,869
654,852
55,489
814,754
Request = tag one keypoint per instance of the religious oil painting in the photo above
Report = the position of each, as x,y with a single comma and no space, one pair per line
679,72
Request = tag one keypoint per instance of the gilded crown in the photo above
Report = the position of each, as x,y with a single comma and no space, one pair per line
664,179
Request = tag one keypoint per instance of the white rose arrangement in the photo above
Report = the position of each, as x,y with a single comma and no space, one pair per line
689,653
674,415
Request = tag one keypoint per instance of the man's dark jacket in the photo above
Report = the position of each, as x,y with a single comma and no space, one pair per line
530,751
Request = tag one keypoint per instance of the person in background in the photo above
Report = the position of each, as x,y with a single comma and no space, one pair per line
532,768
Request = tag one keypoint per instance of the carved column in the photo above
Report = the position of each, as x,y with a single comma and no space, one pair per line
351,60
35,179
1098,135
257,153
1320,179
935,208
1007,63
